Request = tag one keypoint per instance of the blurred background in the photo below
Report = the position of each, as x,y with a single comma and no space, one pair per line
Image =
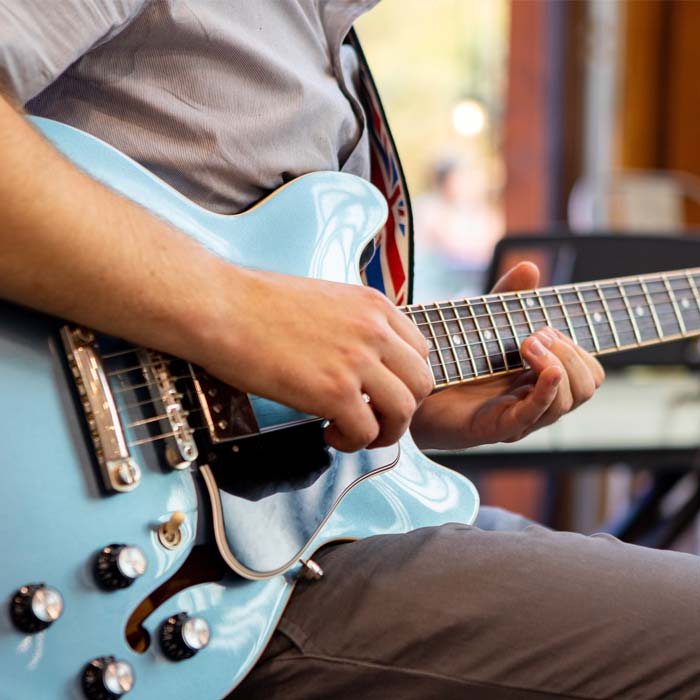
566,130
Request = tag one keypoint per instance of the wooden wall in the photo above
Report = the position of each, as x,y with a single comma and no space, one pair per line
659,119
541,138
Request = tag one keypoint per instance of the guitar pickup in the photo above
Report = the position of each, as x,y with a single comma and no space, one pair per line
119,471
227,412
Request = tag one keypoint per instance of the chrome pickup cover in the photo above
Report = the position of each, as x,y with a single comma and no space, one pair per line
119,471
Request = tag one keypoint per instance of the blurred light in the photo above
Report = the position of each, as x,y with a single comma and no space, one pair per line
469,118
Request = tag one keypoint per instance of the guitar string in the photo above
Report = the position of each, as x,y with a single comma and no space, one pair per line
512,296
144,385
192,430
643,324
579,304
164,416
466,361
469,361
486,301
163,436
456,320
639,281
646,323
137,404
686,276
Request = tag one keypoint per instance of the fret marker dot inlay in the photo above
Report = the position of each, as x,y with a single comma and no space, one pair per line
685,303
488,335
597,317
430,344
530,302
639,311
456,339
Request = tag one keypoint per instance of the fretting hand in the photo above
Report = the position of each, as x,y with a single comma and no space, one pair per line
505,409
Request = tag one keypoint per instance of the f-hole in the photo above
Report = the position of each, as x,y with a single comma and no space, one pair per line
203,565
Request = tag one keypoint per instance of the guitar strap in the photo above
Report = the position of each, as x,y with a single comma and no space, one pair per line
391,269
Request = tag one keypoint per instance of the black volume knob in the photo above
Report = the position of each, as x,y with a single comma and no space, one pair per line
118,566
35,606
105,678
182,636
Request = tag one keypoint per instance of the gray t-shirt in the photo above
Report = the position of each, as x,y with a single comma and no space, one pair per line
224,99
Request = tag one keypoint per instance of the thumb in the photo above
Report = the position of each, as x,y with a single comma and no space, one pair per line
524,275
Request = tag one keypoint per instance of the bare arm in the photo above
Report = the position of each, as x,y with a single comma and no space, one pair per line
73,248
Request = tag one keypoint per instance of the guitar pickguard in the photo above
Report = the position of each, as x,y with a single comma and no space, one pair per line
271,496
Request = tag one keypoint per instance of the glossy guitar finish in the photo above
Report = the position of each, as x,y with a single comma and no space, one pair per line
56,519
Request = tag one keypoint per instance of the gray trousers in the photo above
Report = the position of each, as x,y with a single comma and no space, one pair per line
513,613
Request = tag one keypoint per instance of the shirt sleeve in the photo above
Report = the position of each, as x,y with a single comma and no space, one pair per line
40,39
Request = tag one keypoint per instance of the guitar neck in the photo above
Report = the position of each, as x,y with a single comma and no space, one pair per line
480,337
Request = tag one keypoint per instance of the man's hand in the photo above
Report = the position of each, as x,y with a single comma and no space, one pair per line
319,346
505,409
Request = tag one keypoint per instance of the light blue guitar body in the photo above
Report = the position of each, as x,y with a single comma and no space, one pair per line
57,518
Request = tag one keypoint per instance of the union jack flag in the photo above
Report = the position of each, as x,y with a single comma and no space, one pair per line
390,269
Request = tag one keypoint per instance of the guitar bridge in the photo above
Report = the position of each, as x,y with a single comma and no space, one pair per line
119,471
180,447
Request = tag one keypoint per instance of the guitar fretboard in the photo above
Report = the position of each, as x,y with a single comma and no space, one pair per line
478,337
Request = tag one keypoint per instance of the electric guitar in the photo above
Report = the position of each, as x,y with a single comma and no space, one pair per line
156,520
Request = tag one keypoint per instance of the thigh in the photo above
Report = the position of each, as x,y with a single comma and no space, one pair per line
459,612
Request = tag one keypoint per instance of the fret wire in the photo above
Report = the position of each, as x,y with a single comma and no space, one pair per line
506,310
553,293
633,320
496,333
566,316
452,345
672,297
437,345
525,313
601,296
545,313
692,287
650,303
587,315
467,344
481,337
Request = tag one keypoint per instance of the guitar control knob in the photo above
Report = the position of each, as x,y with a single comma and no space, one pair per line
182,636
118,566
105,678
35,607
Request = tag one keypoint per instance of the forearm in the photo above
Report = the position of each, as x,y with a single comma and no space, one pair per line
74,249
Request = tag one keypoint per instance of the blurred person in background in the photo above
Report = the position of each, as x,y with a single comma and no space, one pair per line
457,225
